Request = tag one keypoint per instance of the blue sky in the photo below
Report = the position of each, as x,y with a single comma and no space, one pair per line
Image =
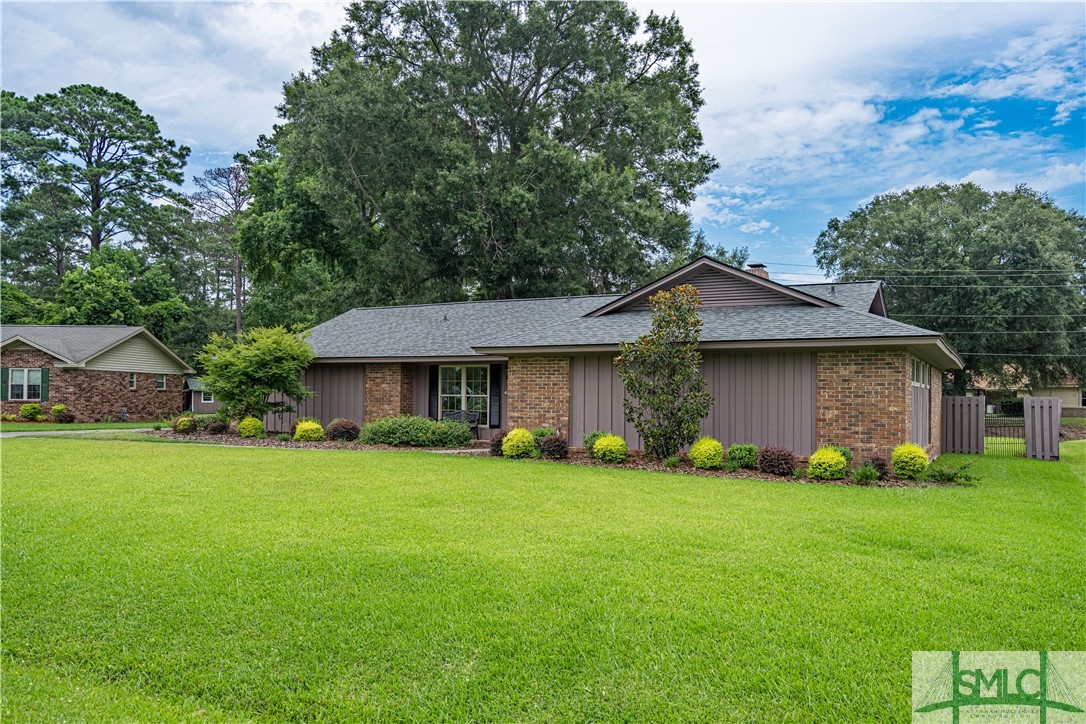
811,108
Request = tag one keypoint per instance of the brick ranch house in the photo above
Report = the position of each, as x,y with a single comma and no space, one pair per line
97,371
796,366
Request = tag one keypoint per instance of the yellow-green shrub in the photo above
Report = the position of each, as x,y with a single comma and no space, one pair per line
251,427
827,464
611,449
707,454
909,461
184,425
308,432
519,443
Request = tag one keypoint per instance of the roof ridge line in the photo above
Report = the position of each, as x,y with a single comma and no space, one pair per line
486,301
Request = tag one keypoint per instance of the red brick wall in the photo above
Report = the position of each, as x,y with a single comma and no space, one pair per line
863,400
390,390
538,392
95,394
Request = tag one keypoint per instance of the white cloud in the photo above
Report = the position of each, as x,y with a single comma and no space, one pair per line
755,227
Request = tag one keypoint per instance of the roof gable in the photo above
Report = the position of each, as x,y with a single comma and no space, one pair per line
76,345
719,286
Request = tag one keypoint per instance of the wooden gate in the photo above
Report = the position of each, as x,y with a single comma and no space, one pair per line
963,425
966,428
1042,422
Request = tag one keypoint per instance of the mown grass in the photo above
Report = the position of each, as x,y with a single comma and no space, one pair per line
151,582
48,426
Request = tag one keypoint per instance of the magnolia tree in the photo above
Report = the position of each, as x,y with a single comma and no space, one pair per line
666,397
257,372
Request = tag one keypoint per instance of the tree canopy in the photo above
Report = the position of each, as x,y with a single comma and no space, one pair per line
258,372
1001,274
443,150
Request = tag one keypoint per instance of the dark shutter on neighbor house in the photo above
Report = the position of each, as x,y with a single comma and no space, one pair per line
433,409
44,384
4,384
495,396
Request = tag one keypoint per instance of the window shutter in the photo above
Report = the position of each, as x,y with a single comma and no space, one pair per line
495,396
4,384
434,406
44,384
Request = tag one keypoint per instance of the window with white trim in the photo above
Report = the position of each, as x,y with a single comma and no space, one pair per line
24,383
921,374
160,382
131,380
206,396
465,387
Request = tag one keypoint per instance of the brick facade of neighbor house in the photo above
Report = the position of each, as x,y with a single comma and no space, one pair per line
95,394
389,390
538,392
863,400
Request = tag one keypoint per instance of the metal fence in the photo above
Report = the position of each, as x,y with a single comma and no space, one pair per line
1005,435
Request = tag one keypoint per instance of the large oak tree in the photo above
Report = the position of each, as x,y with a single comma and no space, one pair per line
1000,273
498,149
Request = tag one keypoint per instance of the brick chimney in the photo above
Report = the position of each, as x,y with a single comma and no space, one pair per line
758,270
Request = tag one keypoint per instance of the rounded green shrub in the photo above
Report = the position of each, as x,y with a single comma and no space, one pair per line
519,443
31,411
448,434
590,441
611,449
707,454
184,425
742,456
909,461
308,432
251,427
827,464
541,432
59,409
844,452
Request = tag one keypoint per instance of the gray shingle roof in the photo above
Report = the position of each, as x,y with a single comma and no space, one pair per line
441,330
457,329
75,343
851,295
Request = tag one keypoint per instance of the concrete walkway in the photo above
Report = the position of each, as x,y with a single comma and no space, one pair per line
38,433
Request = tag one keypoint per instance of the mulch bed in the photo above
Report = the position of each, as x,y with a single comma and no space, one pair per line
1070,432
577,456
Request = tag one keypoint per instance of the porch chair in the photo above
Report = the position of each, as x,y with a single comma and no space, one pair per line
471,419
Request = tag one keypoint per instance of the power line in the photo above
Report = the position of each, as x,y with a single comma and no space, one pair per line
984,286
986,316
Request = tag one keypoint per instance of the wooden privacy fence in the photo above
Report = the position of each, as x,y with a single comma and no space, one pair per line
963,425
967,429
1043,428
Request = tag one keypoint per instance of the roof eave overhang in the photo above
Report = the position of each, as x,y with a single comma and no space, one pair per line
428,359
931,349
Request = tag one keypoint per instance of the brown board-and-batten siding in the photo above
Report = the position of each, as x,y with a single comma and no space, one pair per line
338,392
766,398
721,290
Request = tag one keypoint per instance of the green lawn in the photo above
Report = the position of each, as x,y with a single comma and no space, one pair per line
150,582
1073,421
47,426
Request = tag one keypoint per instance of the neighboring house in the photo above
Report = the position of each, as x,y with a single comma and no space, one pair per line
797,366
97,371
1071,392
198,398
